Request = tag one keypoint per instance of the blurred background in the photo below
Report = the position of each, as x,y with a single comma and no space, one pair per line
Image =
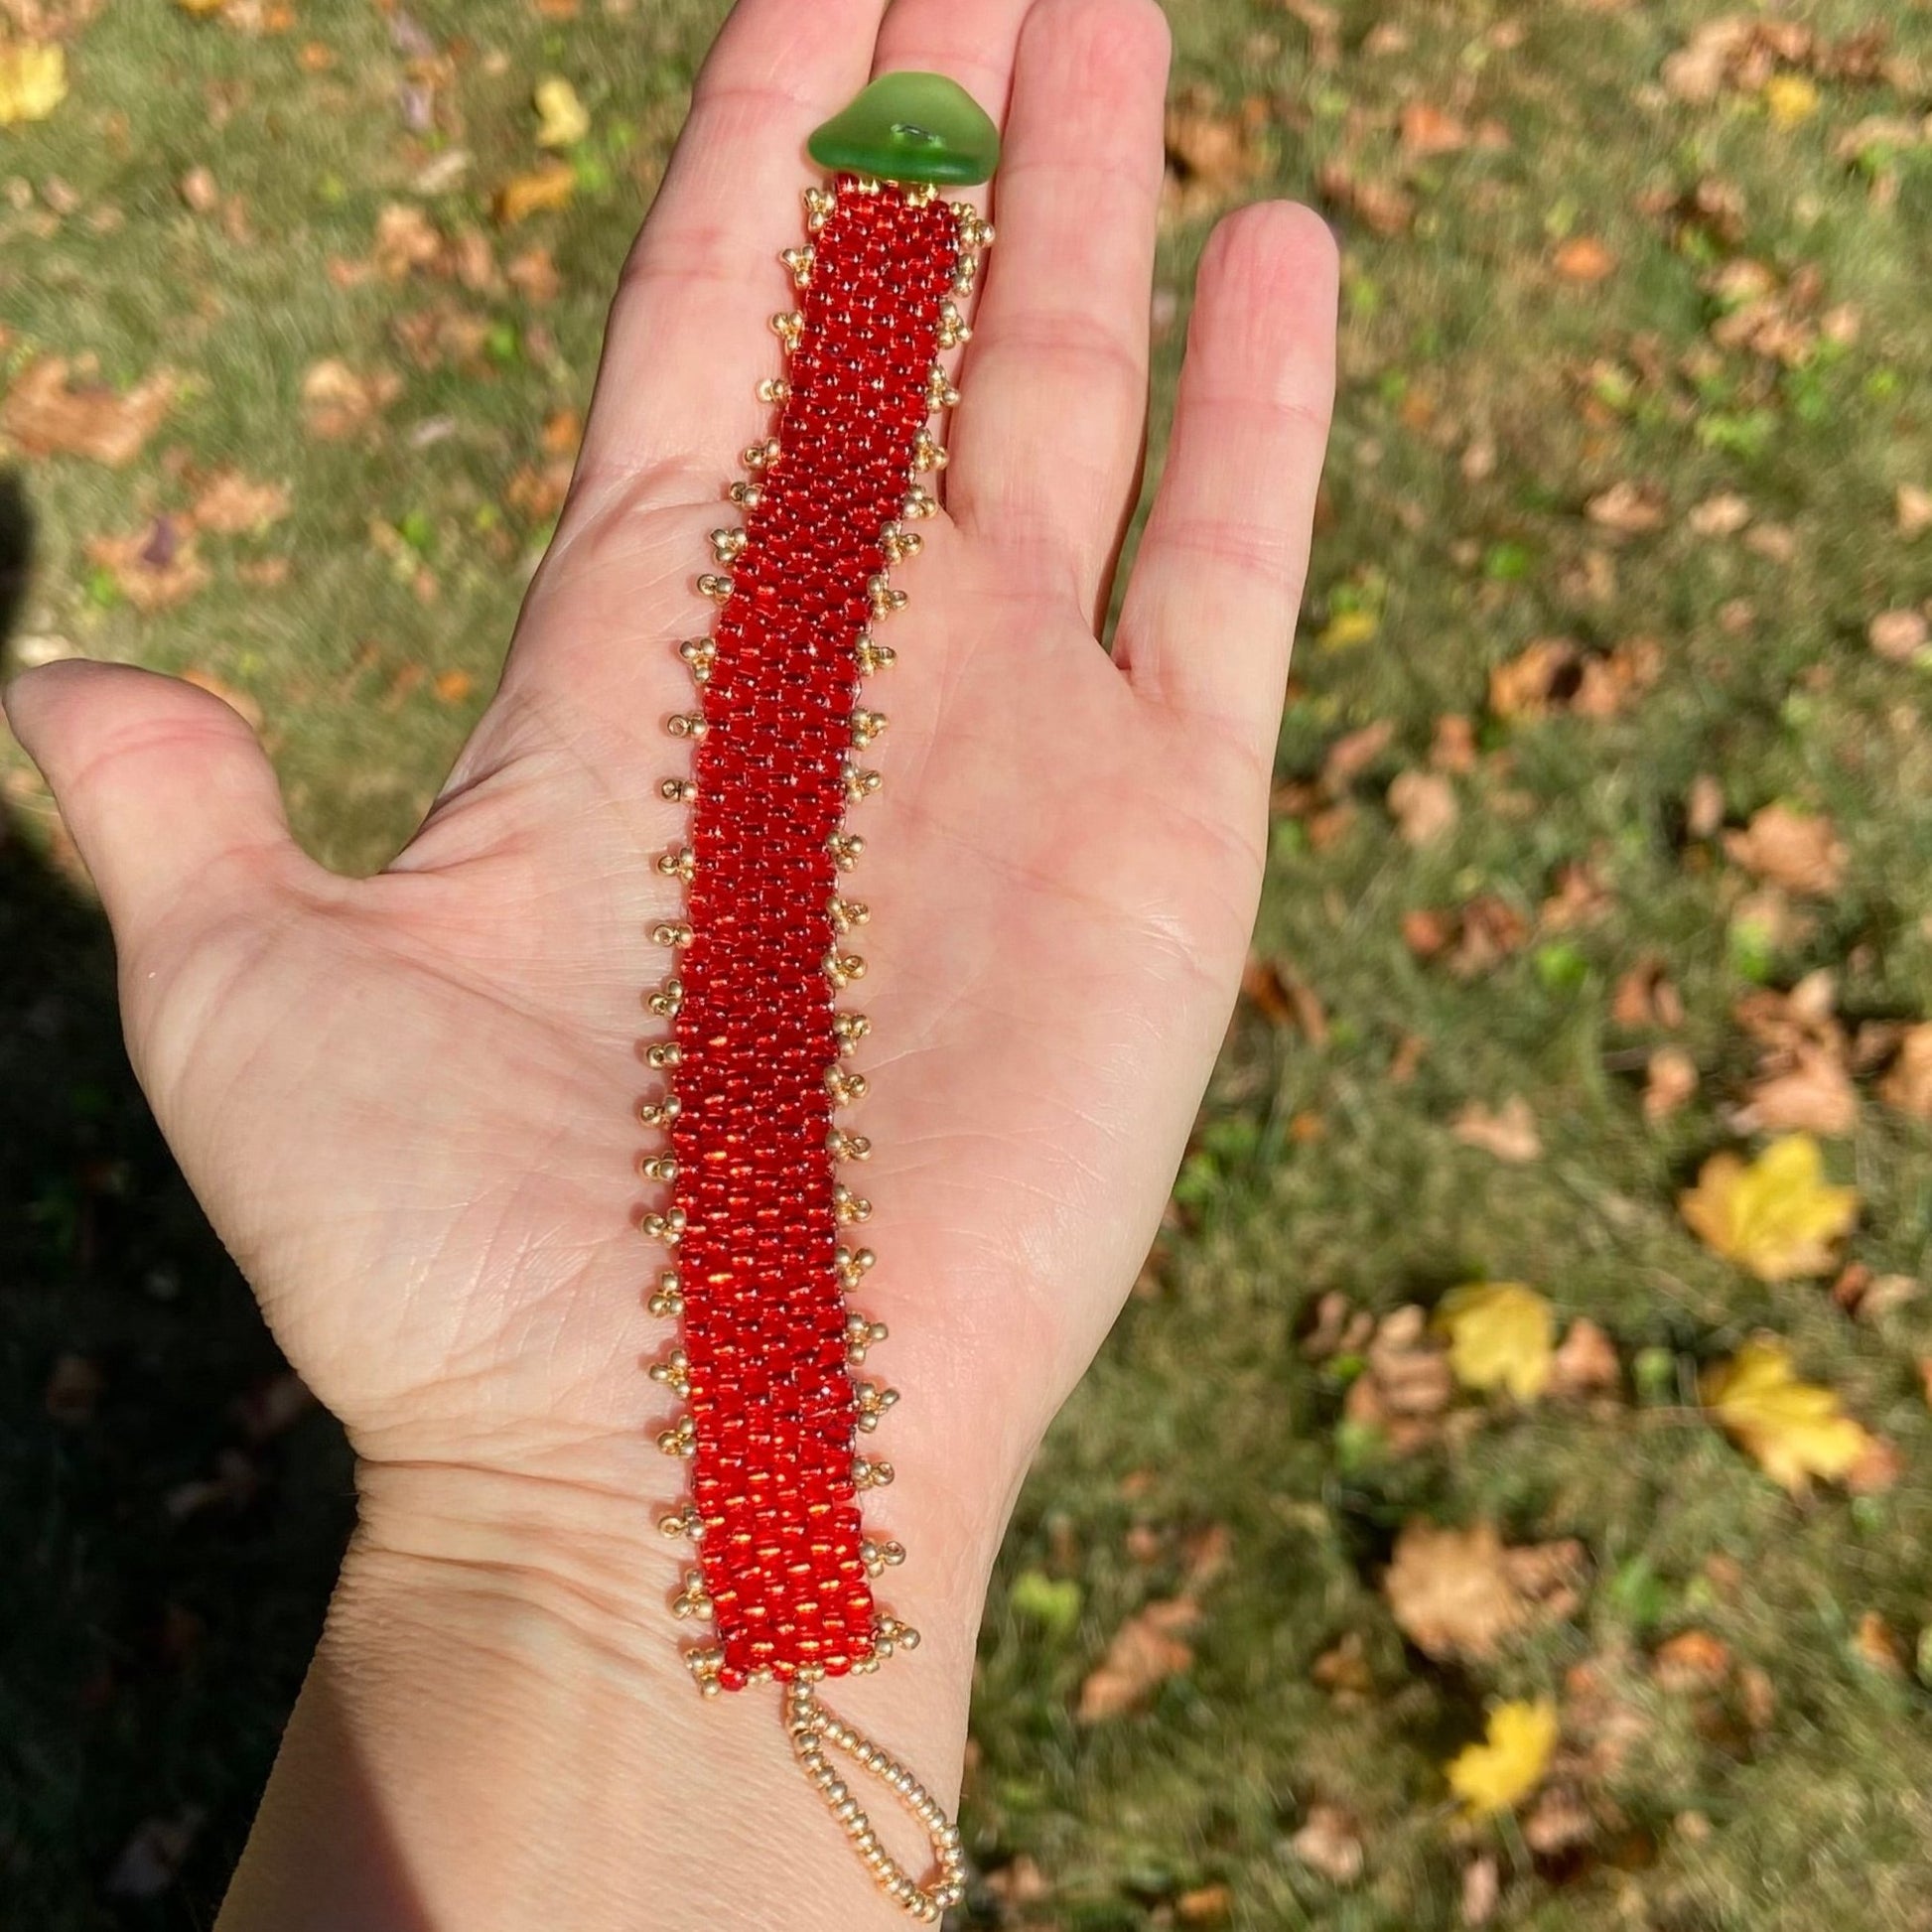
1504,1500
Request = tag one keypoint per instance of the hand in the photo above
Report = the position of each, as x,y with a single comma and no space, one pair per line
407,1102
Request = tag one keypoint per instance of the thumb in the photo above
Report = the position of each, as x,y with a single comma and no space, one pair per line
164,789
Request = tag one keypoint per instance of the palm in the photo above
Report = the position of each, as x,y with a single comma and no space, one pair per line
408,1103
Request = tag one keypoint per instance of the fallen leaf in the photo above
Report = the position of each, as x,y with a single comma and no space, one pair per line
33,81
1422,805
1541,677
1352,754
1584,259
1645,997
1907,1085
1690,1661
1500,1336
1912,509
1776,1218
1628,508
1347,628
1211,157
153,568
1204,1905
1793,1430
1510,1133
1877,1644
1790,99
1406,1385
232,504
1283,999
1697,71
562,119
1457,1595
1482,1891
1723,516
1428,131
1670,1079
550,186
45,414
533,274
1799,850
1344,1669
1704,807
1330,1842
405,239
1897,635
1813,1094
337,402
1586,1364
1145,1651
1498,1773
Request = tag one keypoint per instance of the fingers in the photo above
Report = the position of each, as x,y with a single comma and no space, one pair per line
1046,443
164,789
690,329
1210,609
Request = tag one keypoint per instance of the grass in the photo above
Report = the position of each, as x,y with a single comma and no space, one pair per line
156,1633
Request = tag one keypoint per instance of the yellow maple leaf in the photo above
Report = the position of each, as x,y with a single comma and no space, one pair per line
1792,1429
1500,1336
33,82
1777,1216
1498,1773
1789,98
562,119
1347,628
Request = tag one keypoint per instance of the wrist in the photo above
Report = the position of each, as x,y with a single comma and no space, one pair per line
500,1699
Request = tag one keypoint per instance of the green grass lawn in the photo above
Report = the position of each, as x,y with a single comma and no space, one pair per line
1635,360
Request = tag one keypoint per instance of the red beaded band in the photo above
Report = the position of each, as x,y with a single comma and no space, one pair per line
769,1345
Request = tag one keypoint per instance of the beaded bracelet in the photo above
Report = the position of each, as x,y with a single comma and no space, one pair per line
768,1347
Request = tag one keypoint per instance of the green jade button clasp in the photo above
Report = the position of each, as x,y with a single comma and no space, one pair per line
911,127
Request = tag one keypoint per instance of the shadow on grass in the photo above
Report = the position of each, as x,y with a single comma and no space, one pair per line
173,1512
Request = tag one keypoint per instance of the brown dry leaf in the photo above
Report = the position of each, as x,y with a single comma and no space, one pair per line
1877,1644
230,505
1697,71
1147,1650
548,186
1211,157
1799,850
1692,1660
200,190
1558,1822
1723,516
1491,930
1457,1595
1908,1085
1897,635
1428,131
1586,1364
153,568
1645,997
46,413
1353,753
1813,1094
1343,1671
1704,807
1407,1385
1340,1328
1670,1079
1509,1132
1422,805
1628,508
1330,1842
1383,208
1541,677
1580,898
1454,748
1912,509
1204,1905
1283,999
337,402
406,240
533,275
1482,1891
1584,259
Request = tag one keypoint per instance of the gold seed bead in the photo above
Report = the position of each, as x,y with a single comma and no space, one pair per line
790,327
727,545
714,586
762,456
667,999
680,862
658,1166
799,261
747,496
875,657
928,453
685,723
678,791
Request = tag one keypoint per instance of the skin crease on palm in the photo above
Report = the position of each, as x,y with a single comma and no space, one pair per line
408,1102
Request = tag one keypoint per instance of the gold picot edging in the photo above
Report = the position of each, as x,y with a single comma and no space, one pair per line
812,1729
